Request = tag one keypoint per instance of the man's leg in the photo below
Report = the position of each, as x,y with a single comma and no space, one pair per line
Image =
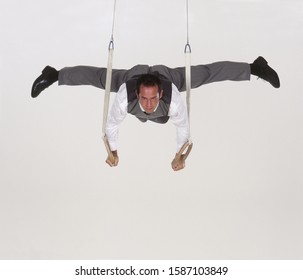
235,71
84,75
78,75
205,74
219,71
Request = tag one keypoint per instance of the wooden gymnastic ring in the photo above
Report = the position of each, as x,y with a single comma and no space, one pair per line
188,145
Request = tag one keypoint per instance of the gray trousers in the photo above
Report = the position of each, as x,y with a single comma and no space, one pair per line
200,74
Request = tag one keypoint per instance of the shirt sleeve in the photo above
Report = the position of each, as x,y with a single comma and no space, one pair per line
117,114
179,117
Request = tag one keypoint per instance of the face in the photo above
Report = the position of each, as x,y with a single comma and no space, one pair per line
149,98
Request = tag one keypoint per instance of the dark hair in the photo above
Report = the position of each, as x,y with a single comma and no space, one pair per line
148,80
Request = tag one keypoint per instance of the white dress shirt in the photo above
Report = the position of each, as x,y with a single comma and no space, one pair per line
177,113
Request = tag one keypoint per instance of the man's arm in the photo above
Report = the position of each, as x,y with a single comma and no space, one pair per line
116,116
179,117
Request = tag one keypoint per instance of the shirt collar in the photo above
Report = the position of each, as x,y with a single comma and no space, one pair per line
144,110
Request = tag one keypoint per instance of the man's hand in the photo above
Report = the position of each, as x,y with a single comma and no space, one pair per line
113,160
178,163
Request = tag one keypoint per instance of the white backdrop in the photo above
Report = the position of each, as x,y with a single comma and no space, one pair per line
240,196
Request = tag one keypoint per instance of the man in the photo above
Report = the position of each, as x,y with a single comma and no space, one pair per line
153,92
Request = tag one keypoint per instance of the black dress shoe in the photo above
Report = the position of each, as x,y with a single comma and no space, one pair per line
49,76
261,69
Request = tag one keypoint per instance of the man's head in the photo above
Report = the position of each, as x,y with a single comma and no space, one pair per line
149,92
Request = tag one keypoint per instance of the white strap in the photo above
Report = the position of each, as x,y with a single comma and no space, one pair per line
188,83
187,52
108,74
107,88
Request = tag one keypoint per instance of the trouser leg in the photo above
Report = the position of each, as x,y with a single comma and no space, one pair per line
219,71
205,74
82,75
96,76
